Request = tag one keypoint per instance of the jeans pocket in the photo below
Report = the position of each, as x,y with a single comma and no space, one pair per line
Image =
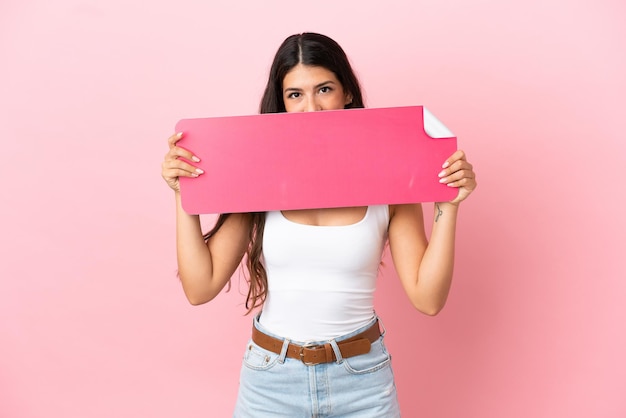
376,359
258,358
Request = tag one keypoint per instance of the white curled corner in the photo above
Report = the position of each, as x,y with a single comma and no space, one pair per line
433,126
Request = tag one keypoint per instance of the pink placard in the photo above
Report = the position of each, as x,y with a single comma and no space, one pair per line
339,158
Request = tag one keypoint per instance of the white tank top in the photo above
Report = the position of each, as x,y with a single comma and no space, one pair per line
321,279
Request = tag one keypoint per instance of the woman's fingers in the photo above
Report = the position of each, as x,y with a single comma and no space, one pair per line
176,151
456,169
176,168
458,172
461,177
459,155
176,163
172,140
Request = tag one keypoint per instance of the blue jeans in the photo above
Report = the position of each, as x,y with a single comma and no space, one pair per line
273,385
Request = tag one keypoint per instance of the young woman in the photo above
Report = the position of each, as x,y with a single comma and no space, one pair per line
317,348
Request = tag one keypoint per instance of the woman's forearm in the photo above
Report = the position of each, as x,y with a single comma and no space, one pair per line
437,265
205,267
193,255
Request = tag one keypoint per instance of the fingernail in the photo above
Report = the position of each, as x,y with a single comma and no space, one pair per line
179,135
442,180
196,159
445,165
199,171
443,173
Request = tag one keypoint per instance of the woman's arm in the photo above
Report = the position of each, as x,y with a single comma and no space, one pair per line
204,268
425,267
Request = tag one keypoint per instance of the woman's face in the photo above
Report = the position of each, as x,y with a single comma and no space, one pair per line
307,89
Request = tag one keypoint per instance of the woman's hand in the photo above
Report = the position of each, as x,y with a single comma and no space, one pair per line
173,167
457,172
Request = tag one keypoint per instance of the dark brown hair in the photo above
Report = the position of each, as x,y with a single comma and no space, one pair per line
310,49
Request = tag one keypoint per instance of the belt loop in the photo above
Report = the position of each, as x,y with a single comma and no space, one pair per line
337,351
283,351
380,322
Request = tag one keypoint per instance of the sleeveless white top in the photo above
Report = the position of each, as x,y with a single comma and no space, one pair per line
321,279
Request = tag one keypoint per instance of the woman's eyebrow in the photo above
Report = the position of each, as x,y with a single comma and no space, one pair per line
317,86
324,83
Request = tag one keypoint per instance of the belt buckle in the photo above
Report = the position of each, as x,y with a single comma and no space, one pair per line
301,353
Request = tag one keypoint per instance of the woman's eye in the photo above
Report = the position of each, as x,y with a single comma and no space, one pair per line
293,95
325,89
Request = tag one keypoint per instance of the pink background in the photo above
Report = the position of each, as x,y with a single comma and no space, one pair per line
93,322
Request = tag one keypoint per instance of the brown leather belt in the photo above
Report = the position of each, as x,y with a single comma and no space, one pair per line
318,354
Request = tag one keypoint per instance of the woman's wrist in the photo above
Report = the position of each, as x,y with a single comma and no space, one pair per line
448,205
179,205
444,209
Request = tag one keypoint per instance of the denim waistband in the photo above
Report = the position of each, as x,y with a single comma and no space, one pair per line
375,318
